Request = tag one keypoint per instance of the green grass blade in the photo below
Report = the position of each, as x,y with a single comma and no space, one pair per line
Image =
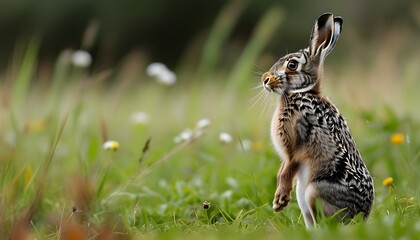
23,80
219,35
262,35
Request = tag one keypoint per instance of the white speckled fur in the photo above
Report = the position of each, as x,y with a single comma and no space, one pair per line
304,194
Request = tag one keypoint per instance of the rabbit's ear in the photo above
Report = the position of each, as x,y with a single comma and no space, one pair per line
324,35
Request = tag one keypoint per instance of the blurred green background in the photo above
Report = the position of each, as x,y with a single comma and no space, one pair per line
58,179
163,30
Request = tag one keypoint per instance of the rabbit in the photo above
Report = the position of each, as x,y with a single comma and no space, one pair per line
312,138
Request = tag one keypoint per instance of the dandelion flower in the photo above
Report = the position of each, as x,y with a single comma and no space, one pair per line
140,118
397,138
225,137
111,145
203,123
81,59
387,181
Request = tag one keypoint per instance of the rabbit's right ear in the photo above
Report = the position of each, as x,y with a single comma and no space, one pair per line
324,36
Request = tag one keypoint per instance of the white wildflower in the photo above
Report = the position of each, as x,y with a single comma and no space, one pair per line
163,183
203,123
227,194
177,139
198,182
140,118
245,145
225,137
162,208
81,58
186,135
10,138
244,202
154,69
166,77
232,182
111,145
192,134
161,73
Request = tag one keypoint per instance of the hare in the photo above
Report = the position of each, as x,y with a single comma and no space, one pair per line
312,137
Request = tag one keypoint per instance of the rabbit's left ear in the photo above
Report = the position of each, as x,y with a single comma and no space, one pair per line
324,36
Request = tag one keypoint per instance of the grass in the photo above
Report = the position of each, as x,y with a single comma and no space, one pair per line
58,182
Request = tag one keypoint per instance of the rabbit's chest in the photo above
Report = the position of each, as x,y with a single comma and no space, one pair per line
282,133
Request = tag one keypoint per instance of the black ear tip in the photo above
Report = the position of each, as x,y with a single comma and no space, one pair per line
324,18
338,19
327,14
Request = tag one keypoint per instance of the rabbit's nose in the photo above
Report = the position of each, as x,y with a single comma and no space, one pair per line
266,80
267,77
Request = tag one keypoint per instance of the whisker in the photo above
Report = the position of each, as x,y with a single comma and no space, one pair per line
258,73
256,99
268,105
263,98
257,87
259,66
266,108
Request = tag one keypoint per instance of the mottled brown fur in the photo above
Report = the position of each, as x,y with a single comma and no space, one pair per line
311,136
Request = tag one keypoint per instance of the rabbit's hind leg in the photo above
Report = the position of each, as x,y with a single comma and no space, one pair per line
337,201
306,200
306,194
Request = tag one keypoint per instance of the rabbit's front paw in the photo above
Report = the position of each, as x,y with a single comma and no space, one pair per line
281,199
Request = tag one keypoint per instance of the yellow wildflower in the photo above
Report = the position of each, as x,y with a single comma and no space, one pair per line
35,126
28,175
387,181
111,145
257,146
397,138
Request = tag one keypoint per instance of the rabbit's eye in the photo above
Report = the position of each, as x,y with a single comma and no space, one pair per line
292,65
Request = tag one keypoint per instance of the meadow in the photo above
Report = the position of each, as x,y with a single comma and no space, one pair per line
193,158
